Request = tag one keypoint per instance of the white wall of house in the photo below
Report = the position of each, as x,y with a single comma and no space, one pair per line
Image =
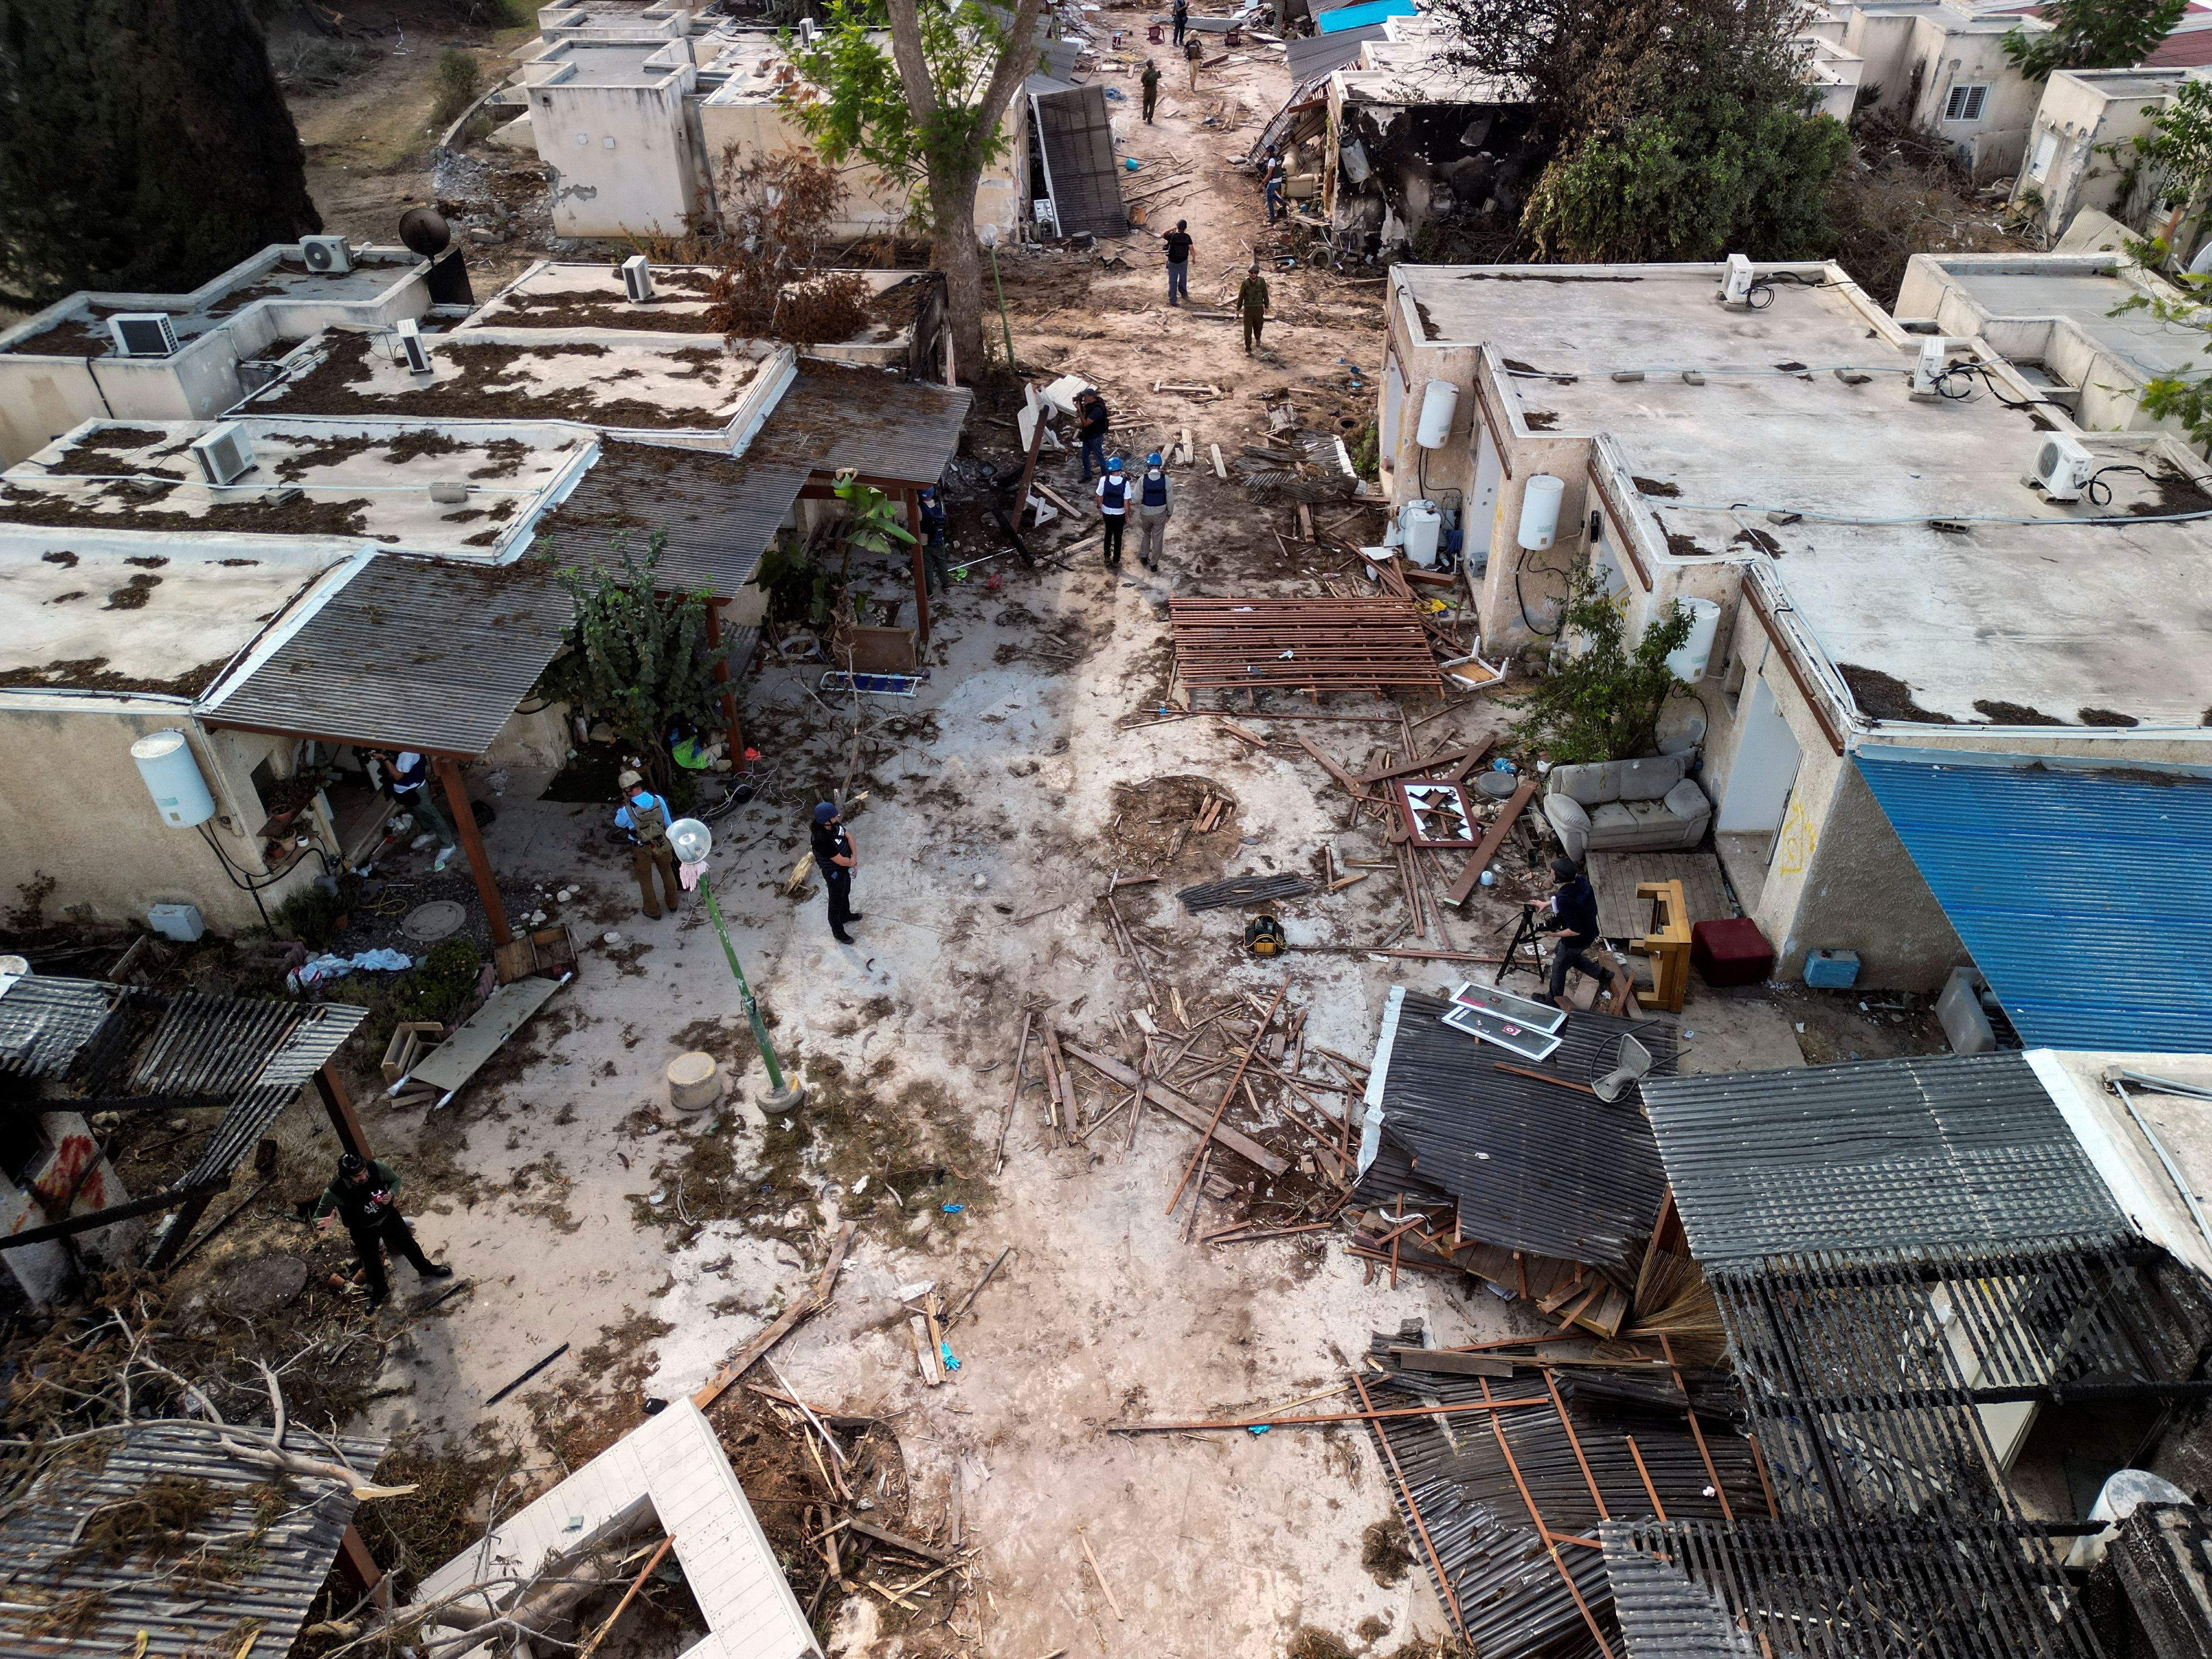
620,153
2084,115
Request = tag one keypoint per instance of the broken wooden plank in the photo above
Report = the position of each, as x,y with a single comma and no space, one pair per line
1470,754
1350,784
1158,1094
900,1542
749,1355
1492,841
1220,467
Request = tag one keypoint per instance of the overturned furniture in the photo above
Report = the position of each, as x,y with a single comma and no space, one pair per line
591,1533
1523,1175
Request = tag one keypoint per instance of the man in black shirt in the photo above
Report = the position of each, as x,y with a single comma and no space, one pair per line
1178,247
1092,421
1182,13
365,1195
1574,918
834,858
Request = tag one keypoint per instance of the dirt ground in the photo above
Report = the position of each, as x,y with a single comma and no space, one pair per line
581,1210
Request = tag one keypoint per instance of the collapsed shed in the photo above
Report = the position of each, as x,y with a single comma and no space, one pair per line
1517,1174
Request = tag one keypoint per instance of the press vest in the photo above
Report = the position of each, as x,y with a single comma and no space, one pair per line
1115,494
1156,488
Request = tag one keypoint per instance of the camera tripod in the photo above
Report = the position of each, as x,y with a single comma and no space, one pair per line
1525,937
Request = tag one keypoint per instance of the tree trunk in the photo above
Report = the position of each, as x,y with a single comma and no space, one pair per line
954,251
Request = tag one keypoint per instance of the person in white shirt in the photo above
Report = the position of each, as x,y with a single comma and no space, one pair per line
1114,508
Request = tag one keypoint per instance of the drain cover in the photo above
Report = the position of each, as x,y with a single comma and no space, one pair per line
427,924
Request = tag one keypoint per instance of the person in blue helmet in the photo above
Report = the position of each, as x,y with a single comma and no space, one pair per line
1155,493
1114,508
834,858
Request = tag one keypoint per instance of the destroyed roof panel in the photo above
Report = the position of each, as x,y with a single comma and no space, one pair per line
1533,1166
1311,56
46,1023
151,1604
1076,136
835,417
719,514
1874,1159
2083,894
405,654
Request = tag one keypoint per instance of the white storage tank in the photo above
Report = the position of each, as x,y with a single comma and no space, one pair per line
1687,661
1420,527
1439,402
172,778
1539,511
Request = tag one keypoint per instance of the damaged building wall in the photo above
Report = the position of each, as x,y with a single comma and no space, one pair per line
1391,170
618,159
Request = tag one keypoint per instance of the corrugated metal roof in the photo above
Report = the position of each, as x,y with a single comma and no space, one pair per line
406,653
719,513
44,1022
1359,15
1075,136
1533,1166
175,1600
835,417
1874,1159
2085,896
1316,55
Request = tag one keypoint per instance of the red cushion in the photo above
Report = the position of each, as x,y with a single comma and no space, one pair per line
1731,952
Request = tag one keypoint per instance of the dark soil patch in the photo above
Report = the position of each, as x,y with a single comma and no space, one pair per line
92,674
2014,714
1310,1642
2105,717
1384,1553
260,517
1885,697
1657,487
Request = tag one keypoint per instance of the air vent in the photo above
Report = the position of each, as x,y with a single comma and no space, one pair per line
326,256
142,333
225,454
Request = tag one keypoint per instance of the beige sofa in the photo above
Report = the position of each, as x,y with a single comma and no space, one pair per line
1633,805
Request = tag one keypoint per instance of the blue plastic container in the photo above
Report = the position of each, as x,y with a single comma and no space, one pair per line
1831,970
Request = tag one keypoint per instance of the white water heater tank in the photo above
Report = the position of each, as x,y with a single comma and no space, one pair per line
1420,526
1688,660
1539,511
1439,402
172,778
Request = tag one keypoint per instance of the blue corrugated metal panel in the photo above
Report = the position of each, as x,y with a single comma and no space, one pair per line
1358,16
2084,895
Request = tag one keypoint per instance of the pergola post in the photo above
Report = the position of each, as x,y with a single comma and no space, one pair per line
734,735
920,573
464,826
337,1105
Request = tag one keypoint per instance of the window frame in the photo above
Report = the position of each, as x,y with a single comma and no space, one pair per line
1972,100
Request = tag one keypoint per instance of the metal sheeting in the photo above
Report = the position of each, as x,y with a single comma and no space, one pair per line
1317,57
2084,895
1696,1589
1533,1166
46,1023
718,514
154,1601
1872,1158
835,416
407,654
1075,136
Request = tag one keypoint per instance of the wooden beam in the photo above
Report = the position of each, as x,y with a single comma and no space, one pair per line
337,1105
749,1355
169,1199
120,1104
920,573
1492,841
464,826
1176,1105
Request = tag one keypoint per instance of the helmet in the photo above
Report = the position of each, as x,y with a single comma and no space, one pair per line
628,780
825,812
1153,460
351,1164
1114,464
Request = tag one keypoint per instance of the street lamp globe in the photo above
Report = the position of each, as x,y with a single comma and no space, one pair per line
690,840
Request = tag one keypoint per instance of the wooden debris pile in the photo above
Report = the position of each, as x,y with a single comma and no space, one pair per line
1304,464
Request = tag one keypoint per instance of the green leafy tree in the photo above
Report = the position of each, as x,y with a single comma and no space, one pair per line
926,116
1662,129
1601,701
142,147
636,658
2092,35
2178,146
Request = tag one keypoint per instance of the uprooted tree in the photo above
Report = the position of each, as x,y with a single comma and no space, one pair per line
142,148
776,210
1599,699
928,119
1671,129
636,658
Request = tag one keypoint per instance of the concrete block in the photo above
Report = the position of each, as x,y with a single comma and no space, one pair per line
695,1082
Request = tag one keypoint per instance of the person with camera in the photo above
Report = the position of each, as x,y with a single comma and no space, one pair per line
1574,918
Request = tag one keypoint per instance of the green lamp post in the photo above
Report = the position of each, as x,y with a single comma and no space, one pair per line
691,842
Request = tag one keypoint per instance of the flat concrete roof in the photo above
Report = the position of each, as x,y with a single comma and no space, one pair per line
2087,300
2051,614
598,63
745,62
2129,82
591,296
134,488
77,326
668,382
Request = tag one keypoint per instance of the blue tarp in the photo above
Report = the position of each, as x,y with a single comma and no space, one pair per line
2084,893
1359,16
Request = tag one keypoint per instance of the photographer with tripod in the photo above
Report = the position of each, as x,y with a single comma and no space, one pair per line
1574,918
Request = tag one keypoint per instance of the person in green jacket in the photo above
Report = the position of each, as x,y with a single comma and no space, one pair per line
365,1195
1150,81
1252,301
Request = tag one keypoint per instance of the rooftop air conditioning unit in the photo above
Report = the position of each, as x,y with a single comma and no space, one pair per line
411,347
326,256
142,333
1929,368
637,279
225,454
2064,468
808,28
1735,285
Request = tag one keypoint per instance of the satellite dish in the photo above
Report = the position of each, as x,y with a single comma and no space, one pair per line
425,230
